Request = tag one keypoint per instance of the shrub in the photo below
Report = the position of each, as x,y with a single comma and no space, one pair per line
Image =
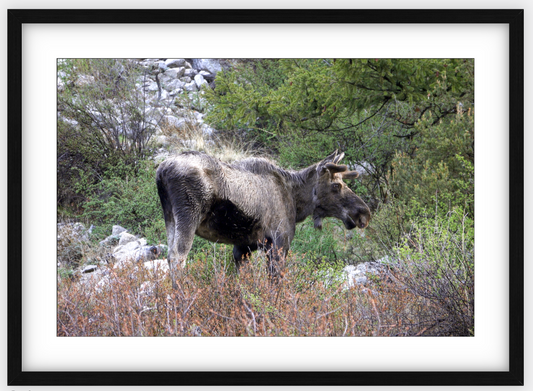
210,300
441,167
131,202
333,244
105,117
72,243
436,261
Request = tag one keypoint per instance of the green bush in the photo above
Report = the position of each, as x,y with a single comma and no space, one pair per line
442,168
254,79
435,260
131,202
104,120
325,244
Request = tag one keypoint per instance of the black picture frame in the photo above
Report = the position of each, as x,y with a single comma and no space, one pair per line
513,18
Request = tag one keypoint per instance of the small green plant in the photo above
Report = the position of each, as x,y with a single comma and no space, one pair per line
64,272
326,243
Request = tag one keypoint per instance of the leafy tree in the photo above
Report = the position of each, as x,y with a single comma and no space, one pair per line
324,95
303,108
442,166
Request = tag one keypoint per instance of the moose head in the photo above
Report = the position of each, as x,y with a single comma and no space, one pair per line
333,198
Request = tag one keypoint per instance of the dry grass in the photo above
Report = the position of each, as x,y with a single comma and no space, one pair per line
214,301
190,136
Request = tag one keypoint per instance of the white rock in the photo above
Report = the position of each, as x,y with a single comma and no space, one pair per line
198,116
190,72
152,86
175,92
177,122
200,81
103,284
355,275
364,168
206,64
84,80
126,248
164,142
175,62
158,264
190,87
71,122
89,268
117,230
386,260
174,84
135,251
173,73
126,238
147,288
164,95
207,130
161,65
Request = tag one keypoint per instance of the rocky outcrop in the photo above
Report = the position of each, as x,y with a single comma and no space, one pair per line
72,238
122,250
173,88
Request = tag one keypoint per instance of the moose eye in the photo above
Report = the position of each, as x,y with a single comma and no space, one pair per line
336,187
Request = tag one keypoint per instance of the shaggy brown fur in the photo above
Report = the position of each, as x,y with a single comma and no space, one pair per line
251,203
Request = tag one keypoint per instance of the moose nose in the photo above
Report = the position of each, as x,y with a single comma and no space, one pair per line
363,223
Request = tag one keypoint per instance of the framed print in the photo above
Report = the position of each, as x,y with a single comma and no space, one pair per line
421,74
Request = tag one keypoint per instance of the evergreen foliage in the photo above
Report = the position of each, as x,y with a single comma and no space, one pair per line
302,108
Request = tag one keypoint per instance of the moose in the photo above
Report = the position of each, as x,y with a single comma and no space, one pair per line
251,204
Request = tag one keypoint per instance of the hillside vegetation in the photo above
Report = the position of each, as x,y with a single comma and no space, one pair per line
407,125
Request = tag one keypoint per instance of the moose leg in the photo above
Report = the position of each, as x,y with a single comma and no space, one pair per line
241,254
171,229
276,252
181,245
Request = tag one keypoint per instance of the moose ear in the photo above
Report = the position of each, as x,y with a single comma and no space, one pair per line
330,158
338,158
350,174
